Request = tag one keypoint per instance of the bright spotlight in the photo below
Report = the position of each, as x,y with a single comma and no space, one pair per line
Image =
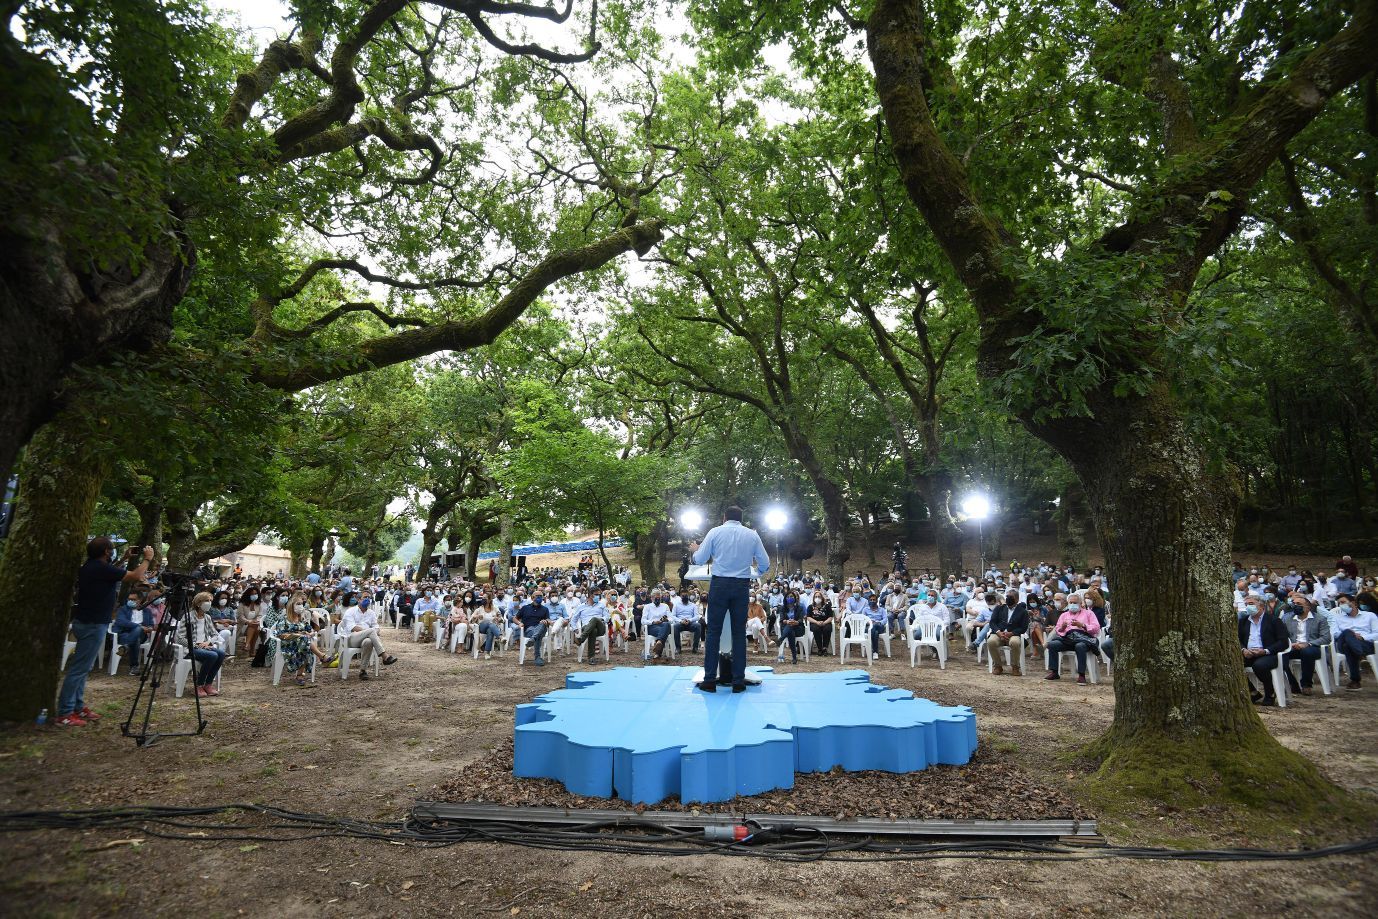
691,520
977,507
776,519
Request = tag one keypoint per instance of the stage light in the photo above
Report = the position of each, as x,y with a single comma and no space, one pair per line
776,519
691,520
977,507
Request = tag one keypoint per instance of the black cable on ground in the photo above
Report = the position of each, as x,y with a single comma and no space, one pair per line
799,843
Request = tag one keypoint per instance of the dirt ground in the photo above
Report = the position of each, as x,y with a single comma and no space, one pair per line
371,749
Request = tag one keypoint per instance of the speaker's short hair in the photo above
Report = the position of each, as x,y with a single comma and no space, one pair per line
733,513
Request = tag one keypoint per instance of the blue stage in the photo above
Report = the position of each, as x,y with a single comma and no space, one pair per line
647,733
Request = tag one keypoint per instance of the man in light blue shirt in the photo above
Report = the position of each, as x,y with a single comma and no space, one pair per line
587,623
1355,629
732,549
686,614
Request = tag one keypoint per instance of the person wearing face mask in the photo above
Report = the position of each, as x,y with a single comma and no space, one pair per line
1262,638
98,582
1008,623
426,609
1291,579
791,629
1354,630
589,624
359,628
1076,630
225,616
133,625
206,645
686,614
1341,583
757,627
819,620
249,618
1308,633
655,618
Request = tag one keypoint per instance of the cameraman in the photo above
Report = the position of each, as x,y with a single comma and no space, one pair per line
98,584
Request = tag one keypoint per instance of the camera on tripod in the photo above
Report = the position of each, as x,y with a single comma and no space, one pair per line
166,652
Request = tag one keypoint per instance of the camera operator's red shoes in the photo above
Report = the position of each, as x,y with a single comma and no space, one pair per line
87,715
71,721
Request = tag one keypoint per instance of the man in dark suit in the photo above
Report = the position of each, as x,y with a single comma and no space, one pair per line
1262,638
1009,623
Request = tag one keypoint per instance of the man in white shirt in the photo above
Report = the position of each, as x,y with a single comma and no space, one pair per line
655,619
359,625
686,613
1355,629
588,623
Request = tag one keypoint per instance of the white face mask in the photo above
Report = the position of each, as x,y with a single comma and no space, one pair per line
221,602
205,606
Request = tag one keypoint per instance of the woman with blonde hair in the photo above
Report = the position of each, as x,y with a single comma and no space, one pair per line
207,647
295,639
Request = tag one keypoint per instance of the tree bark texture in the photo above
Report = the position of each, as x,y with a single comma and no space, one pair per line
62,479
504,572
1163,513
54,317
650,553
151,529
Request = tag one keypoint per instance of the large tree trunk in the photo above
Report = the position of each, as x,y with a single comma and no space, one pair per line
472,545
602,550
650,553
505,549
1071,526
300,560
187,549
181,538
54,316
317,549
61,482
1164,514
936,489
151,529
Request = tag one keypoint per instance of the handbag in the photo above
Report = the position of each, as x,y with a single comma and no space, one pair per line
1076,635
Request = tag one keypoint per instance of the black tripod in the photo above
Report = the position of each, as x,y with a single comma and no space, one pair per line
161,654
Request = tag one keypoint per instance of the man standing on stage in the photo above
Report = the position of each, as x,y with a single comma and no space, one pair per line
731,548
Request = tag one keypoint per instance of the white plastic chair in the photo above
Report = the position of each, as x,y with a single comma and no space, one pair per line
68,647
522,642
116,657
927,632
1323,667
1337,662
347,655
458,632
280,660
1068,659
602,640
500,643
1005,650
1278,676
856,631
682,636
650,641
181,668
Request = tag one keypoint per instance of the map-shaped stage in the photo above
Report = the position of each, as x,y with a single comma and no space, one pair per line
647,733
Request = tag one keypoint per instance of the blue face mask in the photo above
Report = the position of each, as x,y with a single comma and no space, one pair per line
129,603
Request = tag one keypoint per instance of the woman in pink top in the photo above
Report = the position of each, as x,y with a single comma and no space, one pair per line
1076,630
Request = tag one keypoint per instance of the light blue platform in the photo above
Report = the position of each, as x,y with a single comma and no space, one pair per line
647,733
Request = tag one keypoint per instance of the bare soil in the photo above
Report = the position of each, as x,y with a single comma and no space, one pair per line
436,724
